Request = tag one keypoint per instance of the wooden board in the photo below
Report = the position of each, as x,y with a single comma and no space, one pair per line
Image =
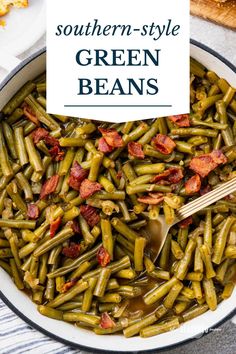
223,14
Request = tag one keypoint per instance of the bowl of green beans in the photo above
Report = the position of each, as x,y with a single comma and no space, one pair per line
77,194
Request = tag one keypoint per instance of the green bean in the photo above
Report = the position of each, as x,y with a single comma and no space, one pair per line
196,68
43,269
137,327
228,290
88,295
78,288
184,147
149,169
16,198
6,267
20,146
19,97
107,238
88,237
4,161
140,243
67,269
81,317
210,294
15,116
17,224
102,282
159,292
110,297
126,273
54,254
147,137
25,186
34,156
72,142
107,184
14,249
122,228
95,166
52,313
172,295
206,256
185,261
141,188
82,268
194,311
197,140
117,195
55,241
9,137
159,328
176,250
114,266
194,132
16,275
218,126
41,114
164,257
221,239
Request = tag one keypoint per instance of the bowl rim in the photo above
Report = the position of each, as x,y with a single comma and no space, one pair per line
77,345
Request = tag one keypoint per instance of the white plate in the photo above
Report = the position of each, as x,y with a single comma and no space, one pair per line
23,27
81,338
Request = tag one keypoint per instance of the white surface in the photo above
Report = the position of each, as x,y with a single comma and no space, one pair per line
23,28
221,39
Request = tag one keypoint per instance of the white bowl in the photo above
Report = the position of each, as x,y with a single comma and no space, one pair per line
81,338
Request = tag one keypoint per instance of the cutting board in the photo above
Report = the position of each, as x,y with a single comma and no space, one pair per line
223,14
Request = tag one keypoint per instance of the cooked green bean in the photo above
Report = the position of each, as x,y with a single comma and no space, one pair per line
75,210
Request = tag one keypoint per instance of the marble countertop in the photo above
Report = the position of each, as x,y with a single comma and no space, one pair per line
221,340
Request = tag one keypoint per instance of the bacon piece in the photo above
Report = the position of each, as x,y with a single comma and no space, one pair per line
152,199
193,184
30,115
206,163
172,175
111,137
103,146
72,251
164,144
218,157
106,321
206,189
32,211
68,285
39,134
88,188
90,214
75,227
186,222
56,153
77,175
49,186
42,134
54,226
182,120
176,174
136,150
51,141
103,257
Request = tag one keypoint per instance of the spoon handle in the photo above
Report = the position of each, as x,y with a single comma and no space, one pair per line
202,202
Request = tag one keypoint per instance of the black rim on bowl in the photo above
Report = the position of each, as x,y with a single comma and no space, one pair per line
80,346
